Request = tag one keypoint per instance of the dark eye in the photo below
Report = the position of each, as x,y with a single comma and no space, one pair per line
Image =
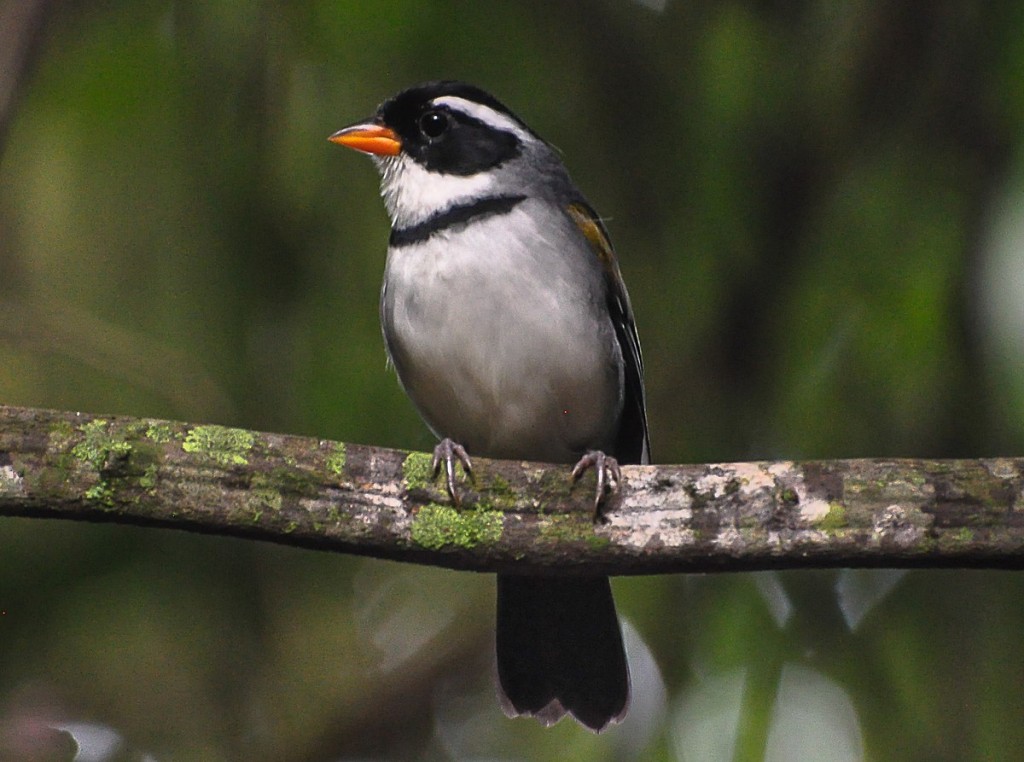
433,124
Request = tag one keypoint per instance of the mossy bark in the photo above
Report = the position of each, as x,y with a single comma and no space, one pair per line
515,516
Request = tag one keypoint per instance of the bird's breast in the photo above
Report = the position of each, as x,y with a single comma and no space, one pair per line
500,336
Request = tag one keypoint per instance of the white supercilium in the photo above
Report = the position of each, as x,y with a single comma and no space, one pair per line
485,114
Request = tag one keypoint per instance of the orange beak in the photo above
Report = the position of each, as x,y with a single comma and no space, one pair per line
369,138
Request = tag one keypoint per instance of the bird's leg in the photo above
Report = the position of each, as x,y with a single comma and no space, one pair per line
447,452
608,475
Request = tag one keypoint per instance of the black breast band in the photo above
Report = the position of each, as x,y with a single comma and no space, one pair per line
453,216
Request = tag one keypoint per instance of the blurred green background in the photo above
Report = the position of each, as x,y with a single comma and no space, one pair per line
818,208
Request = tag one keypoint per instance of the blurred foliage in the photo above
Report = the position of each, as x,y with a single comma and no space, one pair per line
819,210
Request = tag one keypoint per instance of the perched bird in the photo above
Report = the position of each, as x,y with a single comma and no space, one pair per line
506,318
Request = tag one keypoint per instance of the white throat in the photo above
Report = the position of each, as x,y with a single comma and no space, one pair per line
412,194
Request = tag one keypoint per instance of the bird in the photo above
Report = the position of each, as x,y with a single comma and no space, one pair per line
506,318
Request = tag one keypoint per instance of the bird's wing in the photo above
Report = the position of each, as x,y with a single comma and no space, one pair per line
632,444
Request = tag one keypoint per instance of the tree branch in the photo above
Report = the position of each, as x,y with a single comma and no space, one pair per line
519,516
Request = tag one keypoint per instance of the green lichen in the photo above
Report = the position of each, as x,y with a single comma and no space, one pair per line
148,479
336,460
437,526
566,528
61,433
955,541
124,461
101,493
418,470
97,445
292,481
569,528
834,519
159,433
964,535
265,494
61,436
498,495
62,428
500,486
224,446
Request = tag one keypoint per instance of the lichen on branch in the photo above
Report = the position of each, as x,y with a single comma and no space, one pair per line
515,516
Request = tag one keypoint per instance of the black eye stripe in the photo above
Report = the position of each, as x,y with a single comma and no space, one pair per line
443,138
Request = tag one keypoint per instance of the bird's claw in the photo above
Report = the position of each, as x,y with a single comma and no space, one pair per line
608,473
447,452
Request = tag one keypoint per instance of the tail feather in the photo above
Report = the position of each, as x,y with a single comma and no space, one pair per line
560,650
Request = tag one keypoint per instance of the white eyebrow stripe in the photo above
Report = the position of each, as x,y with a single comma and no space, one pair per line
484,114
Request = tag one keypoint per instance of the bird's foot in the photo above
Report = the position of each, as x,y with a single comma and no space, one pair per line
446,453
608,475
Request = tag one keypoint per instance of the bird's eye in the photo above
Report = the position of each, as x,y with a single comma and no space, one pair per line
433,124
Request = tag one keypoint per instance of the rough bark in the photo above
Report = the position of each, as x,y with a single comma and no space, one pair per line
516,516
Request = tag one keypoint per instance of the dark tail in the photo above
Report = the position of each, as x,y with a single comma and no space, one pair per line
560,650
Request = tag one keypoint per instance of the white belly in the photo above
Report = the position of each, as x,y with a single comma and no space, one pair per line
507,349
